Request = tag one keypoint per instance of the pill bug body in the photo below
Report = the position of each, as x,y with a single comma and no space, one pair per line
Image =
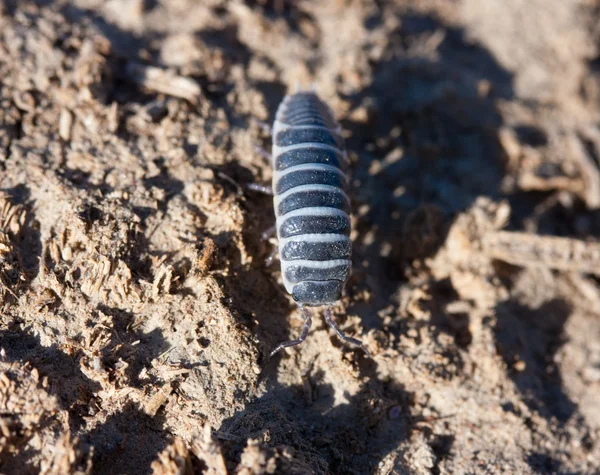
310,187
311,202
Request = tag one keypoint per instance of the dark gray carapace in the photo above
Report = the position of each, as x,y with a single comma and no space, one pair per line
311,205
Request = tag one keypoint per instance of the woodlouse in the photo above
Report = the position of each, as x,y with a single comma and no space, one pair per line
311,203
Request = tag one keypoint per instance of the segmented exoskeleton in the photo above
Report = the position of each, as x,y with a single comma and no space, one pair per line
311,205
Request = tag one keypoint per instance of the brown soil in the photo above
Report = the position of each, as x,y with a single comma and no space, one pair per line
137,313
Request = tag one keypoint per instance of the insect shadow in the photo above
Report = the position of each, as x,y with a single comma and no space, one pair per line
427,148
256,298
533,336
352,437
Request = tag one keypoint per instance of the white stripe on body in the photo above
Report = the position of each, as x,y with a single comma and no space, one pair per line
313,237
337,131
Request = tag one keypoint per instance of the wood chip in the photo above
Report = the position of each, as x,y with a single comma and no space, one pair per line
156,402
65,123
590,169
511,146
163,81
207,256
530,250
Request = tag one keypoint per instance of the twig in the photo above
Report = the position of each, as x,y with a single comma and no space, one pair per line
163,81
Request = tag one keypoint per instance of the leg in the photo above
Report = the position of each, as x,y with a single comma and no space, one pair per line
230,180
268,233
265,189
266,129
264,237
340,334
261,152
264,126
271,257
303,335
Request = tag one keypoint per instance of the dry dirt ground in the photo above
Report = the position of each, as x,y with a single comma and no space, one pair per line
137,312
